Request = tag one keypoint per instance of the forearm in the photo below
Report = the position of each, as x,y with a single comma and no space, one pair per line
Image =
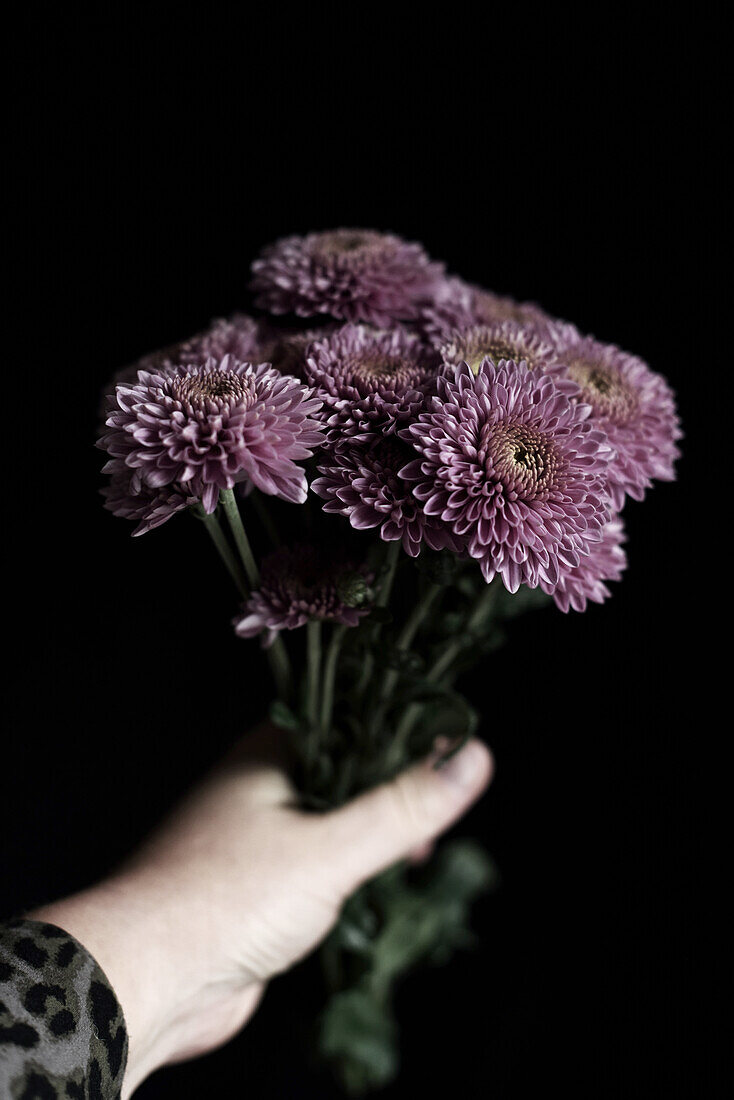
146,931
120,925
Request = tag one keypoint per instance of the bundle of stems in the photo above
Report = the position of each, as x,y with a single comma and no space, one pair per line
370,700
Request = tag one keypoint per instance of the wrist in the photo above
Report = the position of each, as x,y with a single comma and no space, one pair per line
127,931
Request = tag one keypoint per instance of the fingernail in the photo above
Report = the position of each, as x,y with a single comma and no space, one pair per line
463,767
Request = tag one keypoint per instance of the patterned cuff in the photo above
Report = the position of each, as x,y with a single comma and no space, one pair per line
62,1032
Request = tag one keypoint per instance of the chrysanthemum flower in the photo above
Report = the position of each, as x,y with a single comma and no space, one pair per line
210,427
361,481
634,407
129,497
561,334
459,305
298,584
504,340
371,380
606,561
239,336
287,351
352,274
515,469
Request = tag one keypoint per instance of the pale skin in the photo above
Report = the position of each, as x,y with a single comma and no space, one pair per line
238,884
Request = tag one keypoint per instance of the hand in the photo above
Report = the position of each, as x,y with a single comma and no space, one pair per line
238,884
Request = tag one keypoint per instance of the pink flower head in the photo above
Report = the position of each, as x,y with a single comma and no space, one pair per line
370,380
239,336
129,497
287,351
352,274
301,583
606,561
503,340
515,469
459,305
362,482
210,427
633,406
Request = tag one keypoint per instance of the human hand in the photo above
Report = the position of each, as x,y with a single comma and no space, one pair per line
238,884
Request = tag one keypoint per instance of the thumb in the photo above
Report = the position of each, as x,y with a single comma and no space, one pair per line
382,826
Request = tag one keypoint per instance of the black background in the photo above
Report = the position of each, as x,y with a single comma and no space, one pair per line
569,163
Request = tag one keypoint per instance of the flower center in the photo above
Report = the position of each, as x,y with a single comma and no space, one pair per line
494,350
383,372
220,387
344,242
523,460
603,389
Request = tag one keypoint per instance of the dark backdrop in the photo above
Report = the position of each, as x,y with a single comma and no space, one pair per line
558,162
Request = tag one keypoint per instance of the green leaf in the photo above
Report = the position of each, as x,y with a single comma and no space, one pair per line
351,937
359,1035
411,930
461,871
450,716
281,715
397,920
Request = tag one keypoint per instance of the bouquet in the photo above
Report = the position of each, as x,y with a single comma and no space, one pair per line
390,463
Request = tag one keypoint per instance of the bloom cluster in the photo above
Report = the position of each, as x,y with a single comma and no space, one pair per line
436,413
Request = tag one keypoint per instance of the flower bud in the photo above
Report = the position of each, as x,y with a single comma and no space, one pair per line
353,590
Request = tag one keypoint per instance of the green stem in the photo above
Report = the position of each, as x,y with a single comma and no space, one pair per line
313,669
234,519
442,664
280,666
327,693
407,634
452,651
364,676
391,562
223,548
277,653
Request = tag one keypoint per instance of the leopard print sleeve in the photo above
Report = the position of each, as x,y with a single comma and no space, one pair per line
62,1033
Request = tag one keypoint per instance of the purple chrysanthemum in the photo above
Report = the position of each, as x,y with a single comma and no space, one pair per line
504,340
635,408
287,351
210,427
129,497
240,336
362,482
561,334
516,470
352,274
371,380
606,561
459,305
302,583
